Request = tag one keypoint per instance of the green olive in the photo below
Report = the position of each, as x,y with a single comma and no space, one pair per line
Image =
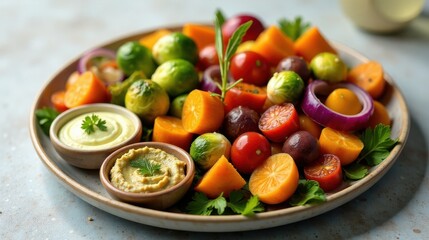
328,67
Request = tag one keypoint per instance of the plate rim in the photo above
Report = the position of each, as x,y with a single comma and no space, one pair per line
183,221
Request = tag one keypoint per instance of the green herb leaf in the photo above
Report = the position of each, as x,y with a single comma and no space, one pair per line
243,206
308,192
45,116
377,144
355,171
90,122
145,166
225,59
220,16
201,205
293,29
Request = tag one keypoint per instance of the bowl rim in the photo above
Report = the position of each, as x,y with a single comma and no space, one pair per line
88,108
110,160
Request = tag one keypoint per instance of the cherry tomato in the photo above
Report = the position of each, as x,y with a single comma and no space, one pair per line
246,95
250,66
326,171
231,24
279,121
207,57
249,151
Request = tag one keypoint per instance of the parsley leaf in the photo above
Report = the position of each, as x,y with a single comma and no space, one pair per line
355,171
377,144
243,206
45,116
231,48
90,122
145,166
201,205
293,29
308,192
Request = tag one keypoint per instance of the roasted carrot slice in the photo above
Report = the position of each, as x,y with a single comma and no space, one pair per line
202,112
87,89
221,178
169,129
202,35
311,43
369,76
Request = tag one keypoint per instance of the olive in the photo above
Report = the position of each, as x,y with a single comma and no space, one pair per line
240,120
296,64
302,147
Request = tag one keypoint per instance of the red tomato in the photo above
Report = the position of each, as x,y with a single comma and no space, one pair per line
279,121
326,171
252,67
248,151
231,24
207,57
246,95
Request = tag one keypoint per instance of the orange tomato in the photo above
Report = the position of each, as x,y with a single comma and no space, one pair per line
346,146
275,180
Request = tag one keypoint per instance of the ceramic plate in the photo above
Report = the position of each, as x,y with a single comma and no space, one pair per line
86,184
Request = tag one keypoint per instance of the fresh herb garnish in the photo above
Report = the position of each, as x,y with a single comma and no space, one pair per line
231,48
355,171
145,167
247,207
45,116
293,29
377,145
90,122
308,192
201,205
220,16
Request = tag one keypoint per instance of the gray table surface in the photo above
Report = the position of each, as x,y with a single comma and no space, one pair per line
38,37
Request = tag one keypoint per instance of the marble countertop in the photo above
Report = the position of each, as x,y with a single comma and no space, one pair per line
39,37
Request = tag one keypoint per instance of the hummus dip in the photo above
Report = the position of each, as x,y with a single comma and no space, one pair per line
119,129
130,179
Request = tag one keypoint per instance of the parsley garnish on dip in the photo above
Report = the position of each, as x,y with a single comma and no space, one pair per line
146,170
96,131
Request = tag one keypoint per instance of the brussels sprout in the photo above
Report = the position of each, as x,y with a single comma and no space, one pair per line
328,67
147,99
207,148
175,46
133,56
119,90
176,105
285,86
176,76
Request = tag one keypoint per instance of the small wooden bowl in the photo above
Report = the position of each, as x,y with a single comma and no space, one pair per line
84,158
157,200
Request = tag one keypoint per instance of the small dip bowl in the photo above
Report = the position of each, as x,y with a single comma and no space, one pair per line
92,158
156,200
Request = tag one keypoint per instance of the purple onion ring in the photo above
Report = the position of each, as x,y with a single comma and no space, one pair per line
320,113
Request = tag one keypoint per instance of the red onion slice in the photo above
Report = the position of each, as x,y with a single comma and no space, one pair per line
108,76
211,76
320,113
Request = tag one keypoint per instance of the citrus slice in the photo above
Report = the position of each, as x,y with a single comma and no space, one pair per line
346,146
275,180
